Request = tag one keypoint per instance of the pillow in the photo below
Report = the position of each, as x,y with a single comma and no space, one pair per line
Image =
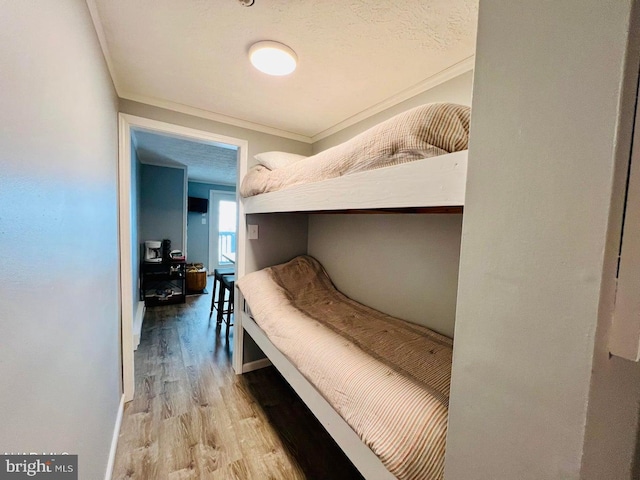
441,125
275,160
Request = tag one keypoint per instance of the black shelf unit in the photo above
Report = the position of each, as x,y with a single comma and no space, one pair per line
163,283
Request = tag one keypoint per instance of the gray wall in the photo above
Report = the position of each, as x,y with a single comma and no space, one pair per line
197,233
456,90
403,265
59,334
364,254
162,207
535,249
282,236
258,141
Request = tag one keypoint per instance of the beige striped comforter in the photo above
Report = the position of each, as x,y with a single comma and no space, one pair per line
389,379
422,132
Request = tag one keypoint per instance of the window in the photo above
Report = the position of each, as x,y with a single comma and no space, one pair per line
227,215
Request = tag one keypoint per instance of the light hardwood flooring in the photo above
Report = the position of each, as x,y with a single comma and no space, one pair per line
193,418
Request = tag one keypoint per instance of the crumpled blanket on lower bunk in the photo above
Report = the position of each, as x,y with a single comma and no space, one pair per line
388,378
421,132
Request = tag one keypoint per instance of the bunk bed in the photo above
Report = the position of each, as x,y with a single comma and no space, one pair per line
422,149
418,180
394,399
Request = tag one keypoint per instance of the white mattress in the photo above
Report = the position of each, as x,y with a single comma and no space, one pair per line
387,378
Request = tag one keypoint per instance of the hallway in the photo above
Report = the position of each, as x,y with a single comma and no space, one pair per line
193,418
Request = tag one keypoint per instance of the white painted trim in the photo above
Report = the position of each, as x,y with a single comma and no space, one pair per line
216,117
431,182
126,271
241,252
114,441
134,145
447,74
127,122
170,129
185,209
137,324
453,71
624,338
256,365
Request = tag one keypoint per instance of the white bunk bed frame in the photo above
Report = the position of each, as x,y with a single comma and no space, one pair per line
433,184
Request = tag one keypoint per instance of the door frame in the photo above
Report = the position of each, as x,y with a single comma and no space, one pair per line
214,228
126,123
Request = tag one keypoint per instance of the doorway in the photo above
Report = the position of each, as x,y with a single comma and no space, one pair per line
127,205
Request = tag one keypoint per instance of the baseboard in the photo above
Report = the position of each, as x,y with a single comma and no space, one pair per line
114,441
137,324
256,365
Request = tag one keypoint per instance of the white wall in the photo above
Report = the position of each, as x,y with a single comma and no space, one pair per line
59,307
535,239
403,265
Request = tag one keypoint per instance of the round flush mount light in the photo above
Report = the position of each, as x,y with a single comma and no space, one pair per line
273,58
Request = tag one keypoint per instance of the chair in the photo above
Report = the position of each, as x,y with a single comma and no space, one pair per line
218,273
225,303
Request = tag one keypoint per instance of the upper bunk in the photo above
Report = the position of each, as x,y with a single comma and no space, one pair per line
435,184
415,161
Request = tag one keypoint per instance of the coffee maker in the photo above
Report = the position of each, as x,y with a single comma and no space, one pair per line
153,251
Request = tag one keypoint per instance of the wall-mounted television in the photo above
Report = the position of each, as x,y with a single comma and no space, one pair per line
199,205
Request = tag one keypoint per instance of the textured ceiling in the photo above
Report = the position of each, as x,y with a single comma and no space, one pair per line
205,162
353,55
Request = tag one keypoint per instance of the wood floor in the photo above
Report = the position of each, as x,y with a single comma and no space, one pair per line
193,418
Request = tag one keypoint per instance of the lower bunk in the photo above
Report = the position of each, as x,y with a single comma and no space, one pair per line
379,385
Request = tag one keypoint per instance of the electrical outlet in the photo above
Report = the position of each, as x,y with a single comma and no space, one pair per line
252,233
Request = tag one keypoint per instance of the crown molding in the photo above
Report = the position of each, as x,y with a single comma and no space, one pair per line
217,117
174,106
102,40
453,71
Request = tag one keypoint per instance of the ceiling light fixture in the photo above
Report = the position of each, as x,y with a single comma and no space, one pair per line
273,58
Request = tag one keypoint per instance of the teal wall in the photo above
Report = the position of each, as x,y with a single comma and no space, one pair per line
162,207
